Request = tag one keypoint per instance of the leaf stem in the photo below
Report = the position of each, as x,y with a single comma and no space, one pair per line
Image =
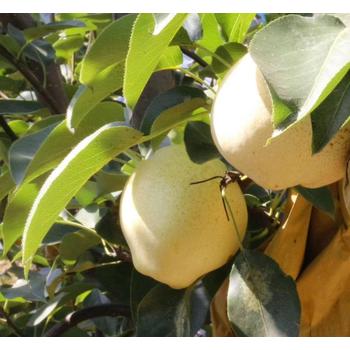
213,54
197,79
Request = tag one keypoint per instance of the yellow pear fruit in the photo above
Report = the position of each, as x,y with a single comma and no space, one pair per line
241,124
176,231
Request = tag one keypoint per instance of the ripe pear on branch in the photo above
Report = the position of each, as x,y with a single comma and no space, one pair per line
178,231
241,125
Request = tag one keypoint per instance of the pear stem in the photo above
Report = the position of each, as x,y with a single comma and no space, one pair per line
230,212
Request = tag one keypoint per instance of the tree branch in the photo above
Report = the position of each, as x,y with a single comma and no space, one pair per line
53,95
76,317
194,56
7,129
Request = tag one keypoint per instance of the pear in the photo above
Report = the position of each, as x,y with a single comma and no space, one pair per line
178,231
241,125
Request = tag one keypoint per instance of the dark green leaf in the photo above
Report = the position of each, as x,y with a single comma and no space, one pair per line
262,300
76,243
107,325
23,150
199,143
331,115
166,100
321,198
17,107
172,312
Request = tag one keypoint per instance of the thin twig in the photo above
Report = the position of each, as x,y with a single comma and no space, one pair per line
10,133
74,318
194,56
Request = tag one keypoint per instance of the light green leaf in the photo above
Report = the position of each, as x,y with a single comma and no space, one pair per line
145,51
87,97
235,25
16,212
6,184
312,56
171,58
110,48
90,155
60,141
211,37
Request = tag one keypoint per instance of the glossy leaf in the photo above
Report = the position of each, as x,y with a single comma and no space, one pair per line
17,211
19,107
310,60
145,51
110,48
199,143
81,163
320,197
87,98
331,115
60,141
76,243
262,300
235,25
166,100
169,312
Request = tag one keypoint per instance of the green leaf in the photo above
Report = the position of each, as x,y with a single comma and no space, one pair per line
47,310
40,31
60,141
140,285
23,150
161,21
17,211
169,312
67,45
262,300
17,107
199,143
312,56
107,325
90,155
145,51
32,290
230,54
174,116
321,198
110,48
211,37
76,243
166,100
6,184
235,25
171,58
108,181
331,115
86,98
